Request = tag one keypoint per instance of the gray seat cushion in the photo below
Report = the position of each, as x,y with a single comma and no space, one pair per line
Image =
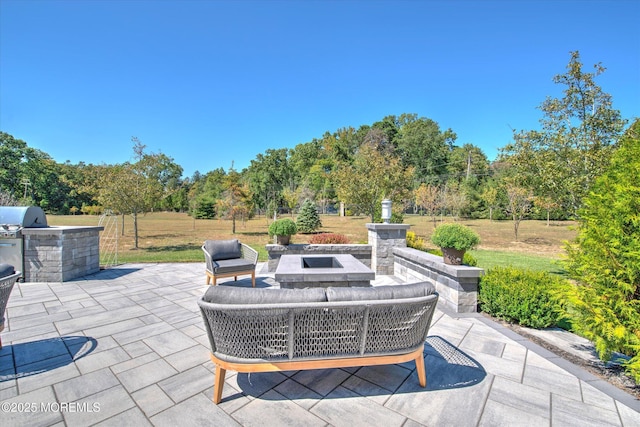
6,270
380,292
233,266
234,295
223,249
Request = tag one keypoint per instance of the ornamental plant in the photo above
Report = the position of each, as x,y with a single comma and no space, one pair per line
455,236
329,238
605,258
308,219
283,227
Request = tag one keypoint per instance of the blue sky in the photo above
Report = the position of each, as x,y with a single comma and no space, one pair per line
209,82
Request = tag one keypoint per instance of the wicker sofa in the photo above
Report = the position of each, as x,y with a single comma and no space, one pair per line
262,330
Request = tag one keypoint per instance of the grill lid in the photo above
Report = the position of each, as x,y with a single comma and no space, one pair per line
24,216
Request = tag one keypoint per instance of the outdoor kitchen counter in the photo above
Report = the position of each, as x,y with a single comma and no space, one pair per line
60,253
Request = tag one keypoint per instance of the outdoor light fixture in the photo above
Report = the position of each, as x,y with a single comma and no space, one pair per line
386,211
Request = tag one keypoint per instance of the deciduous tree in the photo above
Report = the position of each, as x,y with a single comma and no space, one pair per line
131,188
428,197
519,202
370,178
576,139
236,199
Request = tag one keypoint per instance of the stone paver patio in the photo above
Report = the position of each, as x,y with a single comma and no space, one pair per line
127,346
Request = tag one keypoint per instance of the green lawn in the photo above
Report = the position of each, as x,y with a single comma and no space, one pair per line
488,259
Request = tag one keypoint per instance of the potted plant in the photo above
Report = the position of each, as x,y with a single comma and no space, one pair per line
454,240
283,229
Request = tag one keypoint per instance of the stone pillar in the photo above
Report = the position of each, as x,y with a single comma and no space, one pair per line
383,238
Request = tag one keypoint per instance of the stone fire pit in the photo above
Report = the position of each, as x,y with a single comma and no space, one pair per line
305,271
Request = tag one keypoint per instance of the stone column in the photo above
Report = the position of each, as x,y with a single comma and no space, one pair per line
383,238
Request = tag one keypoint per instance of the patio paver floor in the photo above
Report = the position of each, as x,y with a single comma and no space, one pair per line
127,346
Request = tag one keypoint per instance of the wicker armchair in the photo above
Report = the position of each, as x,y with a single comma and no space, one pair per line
8,277
229,258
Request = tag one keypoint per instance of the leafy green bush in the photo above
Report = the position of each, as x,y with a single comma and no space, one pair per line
308,219
455,236
529,298
415,242
329,238
283,227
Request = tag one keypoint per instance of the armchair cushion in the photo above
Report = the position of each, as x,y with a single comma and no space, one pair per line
223,249
6,270
227,266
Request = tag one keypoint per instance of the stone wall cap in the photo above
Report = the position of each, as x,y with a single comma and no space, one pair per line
382,226
62,229
435,261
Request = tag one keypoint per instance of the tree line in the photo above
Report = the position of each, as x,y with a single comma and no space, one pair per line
409,159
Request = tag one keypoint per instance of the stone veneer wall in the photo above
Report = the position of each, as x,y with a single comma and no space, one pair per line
383,238
58,254
456,284
361,252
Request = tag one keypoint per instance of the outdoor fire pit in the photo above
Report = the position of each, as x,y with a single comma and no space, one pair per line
306,271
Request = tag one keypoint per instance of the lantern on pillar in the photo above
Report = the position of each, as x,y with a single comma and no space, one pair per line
386,211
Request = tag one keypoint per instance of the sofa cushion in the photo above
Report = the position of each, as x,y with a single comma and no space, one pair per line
234,295
223,249
233,266
6,270
380,292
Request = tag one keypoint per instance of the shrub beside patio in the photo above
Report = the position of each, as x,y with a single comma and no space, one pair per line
528,298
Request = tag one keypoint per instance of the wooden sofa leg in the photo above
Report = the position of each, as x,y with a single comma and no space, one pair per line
422,375
208,279
253,279
218,384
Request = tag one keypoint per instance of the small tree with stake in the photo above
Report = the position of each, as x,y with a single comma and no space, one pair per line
308,220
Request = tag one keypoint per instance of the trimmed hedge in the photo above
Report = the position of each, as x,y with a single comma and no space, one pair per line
529,298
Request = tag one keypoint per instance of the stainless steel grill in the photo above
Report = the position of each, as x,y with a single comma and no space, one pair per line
12,220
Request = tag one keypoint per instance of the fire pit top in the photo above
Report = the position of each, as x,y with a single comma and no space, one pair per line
300,271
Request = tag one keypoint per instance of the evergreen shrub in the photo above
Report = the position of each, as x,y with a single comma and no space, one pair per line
605,258
308,219
528,298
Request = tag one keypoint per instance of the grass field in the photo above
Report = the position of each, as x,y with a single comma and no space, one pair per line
176,237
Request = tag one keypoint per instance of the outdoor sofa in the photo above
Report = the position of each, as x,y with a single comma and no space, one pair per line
229,258
8,277
263,330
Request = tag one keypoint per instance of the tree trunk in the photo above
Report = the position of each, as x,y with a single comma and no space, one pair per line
135,230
